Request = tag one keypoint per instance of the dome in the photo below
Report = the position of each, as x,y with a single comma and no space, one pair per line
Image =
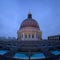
29,22
29,30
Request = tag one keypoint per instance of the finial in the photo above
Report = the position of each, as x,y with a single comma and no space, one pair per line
29,14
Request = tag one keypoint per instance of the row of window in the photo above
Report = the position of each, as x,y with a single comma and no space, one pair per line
28,36
53,38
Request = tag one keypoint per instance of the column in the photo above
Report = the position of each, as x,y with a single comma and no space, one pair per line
35,36
23,36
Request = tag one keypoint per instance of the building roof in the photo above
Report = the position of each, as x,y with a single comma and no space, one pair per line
29,22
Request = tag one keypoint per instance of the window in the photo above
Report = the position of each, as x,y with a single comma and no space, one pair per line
22,36
19,36
36,35
29,36
25,36
32,36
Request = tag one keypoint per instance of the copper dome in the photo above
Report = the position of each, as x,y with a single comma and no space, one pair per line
29,22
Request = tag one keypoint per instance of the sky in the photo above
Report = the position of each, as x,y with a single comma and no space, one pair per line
45,12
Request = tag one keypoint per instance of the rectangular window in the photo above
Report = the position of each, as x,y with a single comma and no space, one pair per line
25,36
29,36
22,36
32,36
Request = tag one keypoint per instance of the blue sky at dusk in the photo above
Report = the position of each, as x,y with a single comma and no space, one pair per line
45,12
